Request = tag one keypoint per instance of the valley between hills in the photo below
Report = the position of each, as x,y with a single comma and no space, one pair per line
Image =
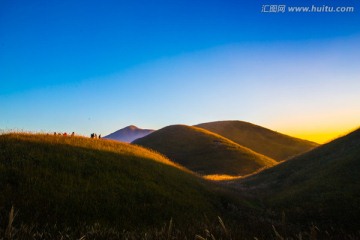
217,180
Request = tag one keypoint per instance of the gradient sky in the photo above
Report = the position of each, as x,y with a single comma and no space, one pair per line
98,66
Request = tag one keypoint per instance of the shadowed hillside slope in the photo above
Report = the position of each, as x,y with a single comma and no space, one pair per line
204,152
72,180
323,184
129,134
262,140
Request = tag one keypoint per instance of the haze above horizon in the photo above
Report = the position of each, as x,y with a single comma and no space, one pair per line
87,66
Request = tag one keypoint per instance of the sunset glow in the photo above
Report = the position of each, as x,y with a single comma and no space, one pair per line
302,82
319,136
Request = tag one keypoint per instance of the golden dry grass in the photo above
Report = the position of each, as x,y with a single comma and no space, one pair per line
259,139
204,152
77,179
125,149
221,177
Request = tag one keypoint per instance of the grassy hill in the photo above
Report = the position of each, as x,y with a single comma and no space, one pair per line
262,140
75,180
322,185
81,188
204,152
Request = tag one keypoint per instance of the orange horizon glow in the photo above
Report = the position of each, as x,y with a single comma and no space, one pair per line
320,136
319,126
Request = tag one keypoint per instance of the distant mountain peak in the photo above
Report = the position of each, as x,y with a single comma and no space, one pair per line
129,134
132,127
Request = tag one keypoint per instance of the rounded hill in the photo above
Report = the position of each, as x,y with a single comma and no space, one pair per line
204,152
75,180
259,139
321,185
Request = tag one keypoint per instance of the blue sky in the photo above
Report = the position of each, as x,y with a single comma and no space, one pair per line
97,66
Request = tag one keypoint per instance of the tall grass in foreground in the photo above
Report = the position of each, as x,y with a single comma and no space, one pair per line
211,231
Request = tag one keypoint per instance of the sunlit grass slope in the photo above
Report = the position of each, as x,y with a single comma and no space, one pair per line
72,180
323,184
262,140
204,152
